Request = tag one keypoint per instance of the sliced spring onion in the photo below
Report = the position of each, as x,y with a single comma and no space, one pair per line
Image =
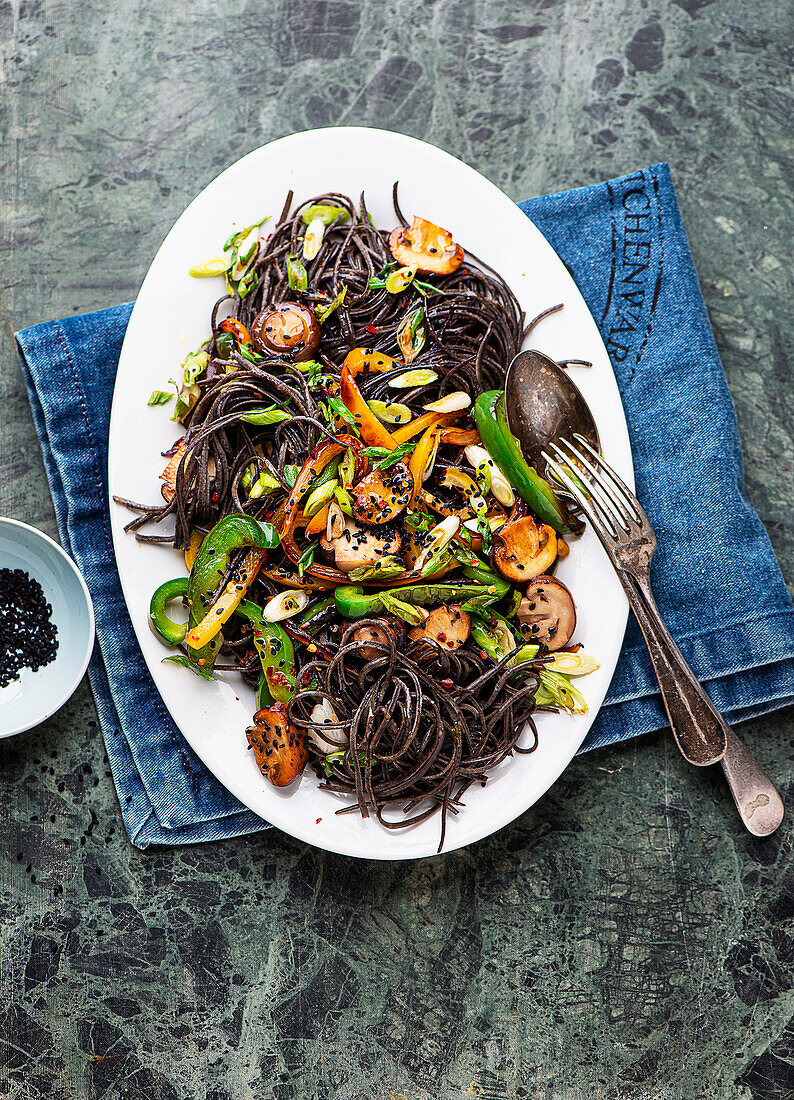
343,500
159,397
411,378
388,566
453,402
400,279
390,412
264,485
285,605
270,415
573,664
217,265
411,334
499,485
313,238
322,313
347,468
319,498
324,212
296,274
437,538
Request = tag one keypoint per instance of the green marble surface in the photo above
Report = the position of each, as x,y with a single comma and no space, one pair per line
624,939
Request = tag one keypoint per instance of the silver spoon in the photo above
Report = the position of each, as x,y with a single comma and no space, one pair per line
543,405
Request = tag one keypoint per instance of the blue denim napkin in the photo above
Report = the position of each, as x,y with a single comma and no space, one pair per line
714,575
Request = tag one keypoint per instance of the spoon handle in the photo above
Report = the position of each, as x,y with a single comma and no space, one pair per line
758,802
760,806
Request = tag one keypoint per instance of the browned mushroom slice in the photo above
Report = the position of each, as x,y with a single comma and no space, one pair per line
428,246
382,494
524,549
168,476
376,639
286,328
279,747
446,625
360,546
547,613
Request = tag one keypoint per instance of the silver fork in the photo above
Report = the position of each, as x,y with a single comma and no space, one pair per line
626,534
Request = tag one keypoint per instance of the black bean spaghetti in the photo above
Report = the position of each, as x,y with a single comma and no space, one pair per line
362,546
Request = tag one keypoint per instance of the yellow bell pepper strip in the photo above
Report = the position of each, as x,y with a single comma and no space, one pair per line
227,603
192,548
229,534
422,423
421,457
371,429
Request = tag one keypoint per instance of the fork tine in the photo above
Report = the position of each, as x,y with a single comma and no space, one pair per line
616,479
599,498
597,520
597,485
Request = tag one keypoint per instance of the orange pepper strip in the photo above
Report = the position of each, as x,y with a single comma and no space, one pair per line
237,329
311,468
372,431
422,423
375,361
422,453
317,523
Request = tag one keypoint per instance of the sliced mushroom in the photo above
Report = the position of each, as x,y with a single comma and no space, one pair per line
335,522
286,328
429,247
360,546
547,613
447,626
524,549
279,747
168,476
376,639
382,494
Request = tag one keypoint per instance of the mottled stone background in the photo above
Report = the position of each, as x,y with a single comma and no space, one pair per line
625,938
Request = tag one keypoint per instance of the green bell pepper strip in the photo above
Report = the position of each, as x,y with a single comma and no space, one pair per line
505,450
173,634
353,603
276,653
317,615
229,534
485,576
263,696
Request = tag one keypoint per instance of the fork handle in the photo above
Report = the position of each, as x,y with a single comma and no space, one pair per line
698,728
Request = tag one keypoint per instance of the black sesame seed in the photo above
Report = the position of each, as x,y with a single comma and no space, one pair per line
28,639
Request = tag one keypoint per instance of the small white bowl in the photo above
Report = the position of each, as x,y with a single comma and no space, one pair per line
35,696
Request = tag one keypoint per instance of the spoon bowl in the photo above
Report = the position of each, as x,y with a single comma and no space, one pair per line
543,404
